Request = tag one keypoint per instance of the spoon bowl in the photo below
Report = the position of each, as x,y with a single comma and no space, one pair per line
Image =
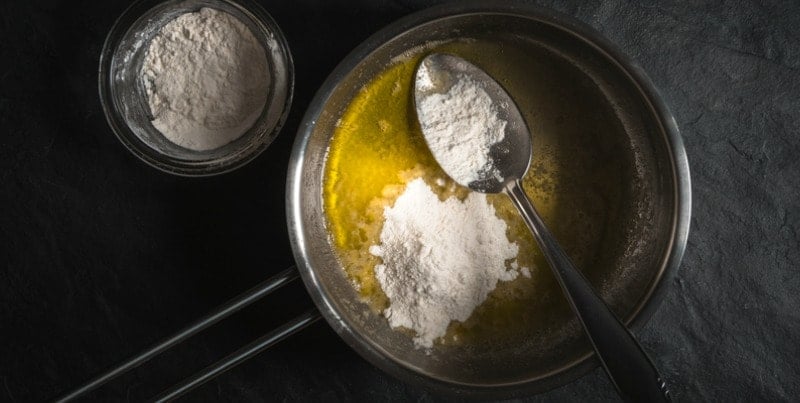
437,74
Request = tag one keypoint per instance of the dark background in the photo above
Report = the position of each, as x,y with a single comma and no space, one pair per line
101,255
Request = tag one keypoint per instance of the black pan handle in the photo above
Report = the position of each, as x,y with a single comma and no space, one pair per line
227,309
243,354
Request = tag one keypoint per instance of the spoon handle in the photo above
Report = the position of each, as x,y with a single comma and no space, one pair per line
630,369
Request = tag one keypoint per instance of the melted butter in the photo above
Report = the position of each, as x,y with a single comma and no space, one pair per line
377,148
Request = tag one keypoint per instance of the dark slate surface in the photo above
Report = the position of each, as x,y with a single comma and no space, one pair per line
101,255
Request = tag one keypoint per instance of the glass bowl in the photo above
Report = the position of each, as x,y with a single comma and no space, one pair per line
124,100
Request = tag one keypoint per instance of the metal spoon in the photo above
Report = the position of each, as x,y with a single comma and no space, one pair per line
627,365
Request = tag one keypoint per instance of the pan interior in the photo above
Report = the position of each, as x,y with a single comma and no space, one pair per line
609,160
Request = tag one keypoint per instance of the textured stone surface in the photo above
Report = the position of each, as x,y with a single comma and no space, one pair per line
101,255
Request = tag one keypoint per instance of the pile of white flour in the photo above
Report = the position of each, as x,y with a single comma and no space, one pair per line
440,259
460,126
206,78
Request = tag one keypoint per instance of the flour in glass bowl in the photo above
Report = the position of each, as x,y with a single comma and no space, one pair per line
207,79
